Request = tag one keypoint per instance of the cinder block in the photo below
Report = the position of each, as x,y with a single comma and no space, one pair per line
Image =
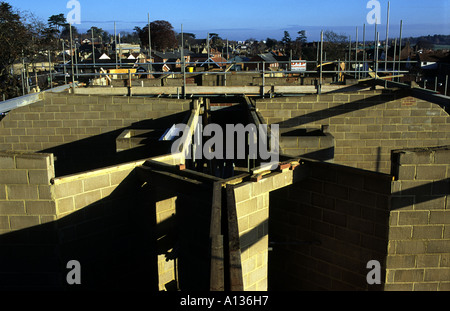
413,218
85,199
40,207
244,208
258,219
436,275
45,192
13,177
12,208
438,246
2,192
427,261
407,172
65,205
400,233
427,232
243,192
97,182
403,276
33,161
4,223
410,247
22,192
166,205
118,177
159,107
442,157
40,177
400,261
435,172
429,203
7,161
22,222
68,189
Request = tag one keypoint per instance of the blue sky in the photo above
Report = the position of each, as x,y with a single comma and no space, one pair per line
243,19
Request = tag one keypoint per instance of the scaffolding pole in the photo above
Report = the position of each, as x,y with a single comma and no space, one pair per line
93,48
356,55
184,62
64,62
321,63
71,56
50,69
115,43
400,49
387,36
149,38
446,85
364,46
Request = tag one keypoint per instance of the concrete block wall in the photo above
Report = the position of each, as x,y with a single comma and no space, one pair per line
28,242
25,190
366,125
167,269
419,234
64,118
75,192
47,221
326,228
315,147
252,207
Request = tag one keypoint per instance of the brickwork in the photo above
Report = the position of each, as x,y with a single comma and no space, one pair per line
326,228
63,118
25,190
252,207
72,193
167,269
419,240
366,126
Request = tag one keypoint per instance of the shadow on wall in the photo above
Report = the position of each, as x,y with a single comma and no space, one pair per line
341,109
326,228
113,240
100,151
116,240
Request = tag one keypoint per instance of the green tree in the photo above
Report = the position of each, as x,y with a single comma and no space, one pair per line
301,37
333,37
162,35
287,40
57,22
215,39
271,43
65,33
15,39
98,33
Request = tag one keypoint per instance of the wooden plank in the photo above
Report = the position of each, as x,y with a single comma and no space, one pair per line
235,265
217,280
173,182
186,172
217,264
216,210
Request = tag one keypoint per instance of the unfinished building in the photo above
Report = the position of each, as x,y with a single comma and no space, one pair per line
363,175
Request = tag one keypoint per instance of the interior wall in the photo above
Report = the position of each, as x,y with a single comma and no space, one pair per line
326,228
366,126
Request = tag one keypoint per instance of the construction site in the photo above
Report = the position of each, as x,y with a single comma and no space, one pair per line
89,174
